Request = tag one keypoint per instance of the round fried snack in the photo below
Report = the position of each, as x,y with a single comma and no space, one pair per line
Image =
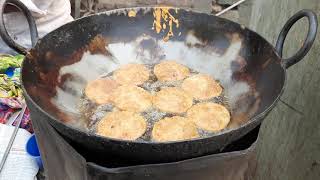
100,90
201,87
174,129
209,116
131,98
170,71
133,74
172,100
123,125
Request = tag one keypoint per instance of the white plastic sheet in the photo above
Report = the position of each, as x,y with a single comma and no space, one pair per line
19,165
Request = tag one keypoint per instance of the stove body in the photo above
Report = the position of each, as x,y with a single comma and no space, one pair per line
64,161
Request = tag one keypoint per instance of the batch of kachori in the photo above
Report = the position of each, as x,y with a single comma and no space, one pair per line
186,98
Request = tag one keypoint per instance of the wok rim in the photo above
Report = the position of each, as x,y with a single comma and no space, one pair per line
258,117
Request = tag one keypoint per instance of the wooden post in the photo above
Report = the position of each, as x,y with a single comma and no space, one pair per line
77,8
289,142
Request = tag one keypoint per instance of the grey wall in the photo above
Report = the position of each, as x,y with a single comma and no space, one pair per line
289,144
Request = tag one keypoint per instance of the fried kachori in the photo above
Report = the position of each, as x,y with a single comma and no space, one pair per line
170,71
123,125
201,87
211,117
100,90
174,129
131,74
172,100
131,98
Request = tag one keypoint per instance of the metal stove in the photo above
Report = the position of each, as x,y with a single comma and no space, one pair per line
65,161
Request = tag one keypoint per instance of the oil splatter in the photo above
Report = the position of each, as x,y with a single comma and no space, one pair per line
132,13
163,19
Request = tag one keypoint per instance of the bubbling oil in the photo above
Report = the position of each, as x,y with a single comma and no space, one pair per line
92,113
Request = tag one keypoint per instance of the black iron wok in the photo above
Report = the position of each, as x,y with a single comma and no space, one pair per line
60,64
